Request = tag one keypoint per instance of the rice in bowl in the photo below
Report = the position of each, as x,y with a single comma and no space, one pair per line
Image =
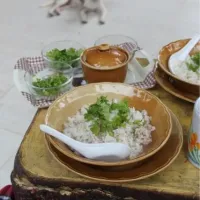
189,70
122,124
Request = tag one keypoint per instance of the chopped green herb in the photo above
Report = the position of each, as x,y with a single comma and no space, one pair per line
194,63
192,67
196,58
138,122
100,115
64,57
49,86
95,128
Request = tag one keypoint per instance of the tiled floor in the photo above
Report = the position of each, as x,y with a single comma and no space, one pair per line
25,29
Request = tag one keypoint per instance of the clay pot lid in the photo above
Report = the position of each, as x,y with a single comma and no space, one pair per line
105,56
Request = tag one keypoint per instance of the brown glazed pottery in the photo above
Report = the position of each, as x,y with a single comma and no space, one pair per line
167,83
68,104
157,163
105,63
163,58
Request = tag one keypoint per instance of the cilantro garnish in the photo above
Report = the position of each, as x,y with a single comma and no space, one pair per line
100,115
196,58
194,63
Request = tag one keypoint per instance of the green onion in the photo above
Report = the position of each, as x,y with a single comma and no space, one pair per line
63,58
49,86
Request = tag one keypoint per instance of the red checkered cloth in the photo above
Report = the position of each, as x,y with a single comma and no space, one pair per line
33,65
149,81
36,64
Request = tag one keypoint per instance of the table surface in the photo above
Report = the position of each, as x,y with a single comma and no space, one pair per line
181,178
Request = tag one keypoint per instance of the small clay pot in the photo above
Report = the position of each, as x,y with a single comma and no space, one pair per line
105,63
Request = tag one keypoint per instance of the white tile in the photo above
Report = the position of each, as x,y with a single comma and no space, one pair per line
6,73
16,113
5,172
152,23
9,144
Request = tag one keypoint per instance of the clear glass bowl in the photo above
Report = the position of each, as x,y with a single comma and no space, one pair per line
49,92
61,45
119,40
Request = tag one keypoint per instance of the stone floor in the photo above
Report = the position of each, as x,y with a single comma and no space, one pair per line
25,29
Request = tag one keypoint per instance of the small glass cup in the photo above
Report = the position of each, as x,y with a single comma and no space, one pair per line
49,92
61,45
119,40
131,46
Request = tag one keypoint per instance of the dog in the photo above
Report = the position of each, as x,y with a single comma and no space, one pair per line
85,6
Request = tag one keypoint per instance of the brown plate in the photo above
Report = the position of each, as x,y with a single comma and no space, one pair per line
68,104
166,82
157,163
163,59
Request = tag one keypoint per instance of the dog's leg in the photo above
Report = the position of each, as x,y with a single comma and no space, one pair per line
55,10
49,3
102,12
83,15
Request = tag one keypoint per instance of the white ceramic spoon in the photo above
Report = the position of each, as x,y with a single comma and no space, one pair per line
180,56
109,152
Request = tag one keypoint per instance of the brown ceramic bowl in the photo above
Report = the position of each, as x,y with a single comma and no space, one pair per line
169,84
152,166
163,58
105,63
68,104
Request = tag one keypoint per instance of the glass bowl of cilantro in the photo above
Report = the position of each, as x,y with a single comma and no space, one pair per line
48,83
62,54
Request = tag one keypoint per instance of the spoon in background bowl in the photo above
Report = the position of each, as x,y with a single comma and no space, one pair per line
109,152
180,56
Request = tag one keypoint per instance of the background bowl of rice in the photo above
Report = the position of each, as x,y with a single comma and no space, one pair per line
163,59
68,104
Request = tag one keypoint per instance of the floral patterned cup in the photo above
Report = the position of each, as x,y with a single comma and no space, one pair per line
194,137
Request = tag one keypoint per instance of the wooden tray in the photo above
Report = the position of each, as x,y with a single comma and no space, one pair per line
37,175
